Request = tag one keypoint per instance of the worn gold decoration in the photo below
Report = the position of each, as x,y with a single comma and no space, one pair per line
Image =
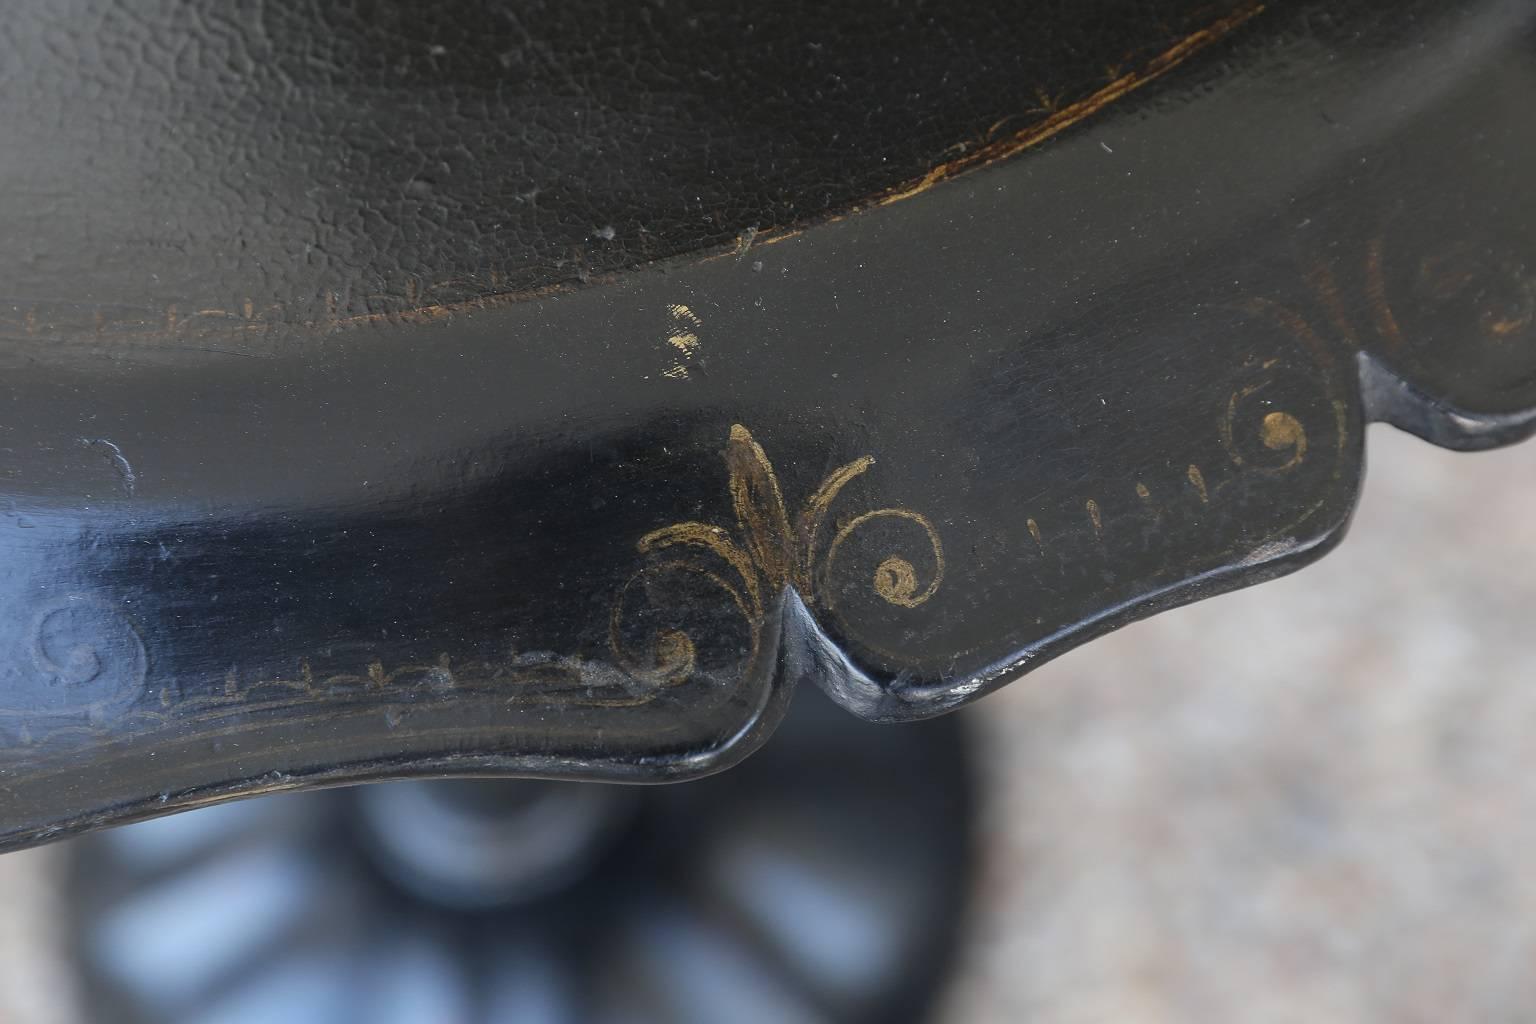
1495,291
1282,436
767,552
1281,431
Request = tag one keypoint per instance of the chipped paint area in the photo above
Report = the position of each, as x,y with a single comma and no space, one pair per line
683,339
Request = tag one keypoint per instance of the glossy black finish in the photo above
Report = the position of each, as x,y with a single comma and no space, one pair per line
986,417
171,164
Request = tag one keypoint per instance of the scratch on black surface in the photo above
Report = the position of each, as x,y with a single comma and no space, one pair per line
119,461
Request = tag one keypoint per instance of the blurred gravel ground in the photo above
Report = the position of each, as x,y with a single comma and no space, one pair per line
1312,801
1306,802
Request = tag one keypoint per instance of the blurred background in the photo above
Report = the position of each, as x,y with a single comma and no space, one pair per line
1314,800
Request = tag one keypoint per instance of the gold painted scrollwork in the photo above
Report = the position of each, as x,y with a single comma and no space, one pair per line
767,551
1285,408
895,579
1259,436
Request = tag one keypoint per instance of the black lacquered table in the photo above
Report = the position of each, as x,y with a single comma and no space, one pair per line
395,394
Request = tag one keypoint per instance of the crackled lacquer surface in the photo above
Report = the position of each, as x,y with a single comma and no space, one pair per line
1112,354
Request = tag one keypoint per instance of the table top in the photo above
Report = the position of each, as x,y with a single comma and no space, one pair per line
368,418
